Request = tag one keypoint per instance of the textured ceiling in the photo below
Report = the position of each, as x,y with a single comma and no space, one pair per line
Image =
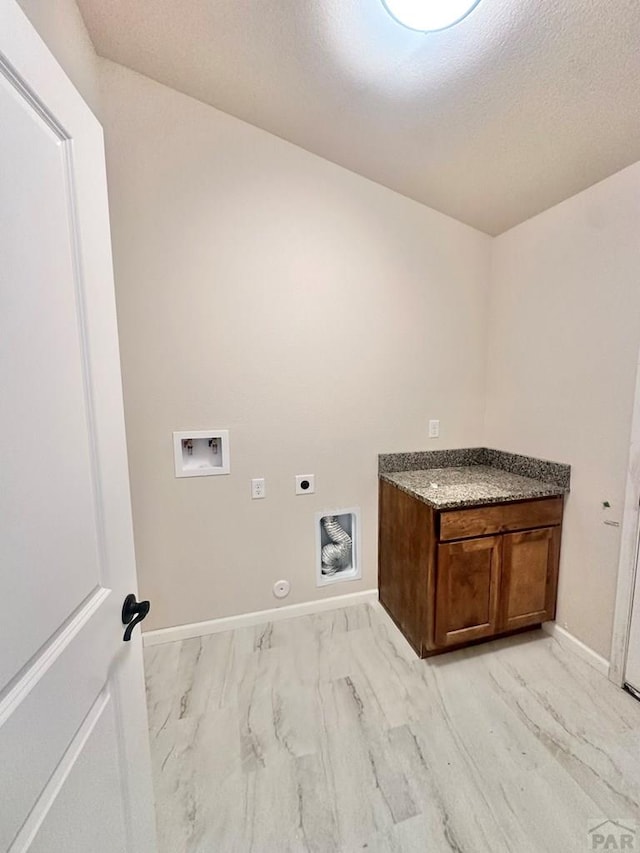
521,105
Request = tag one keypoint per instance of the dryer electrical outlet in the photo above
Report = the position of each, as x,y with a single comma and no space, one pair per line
305,484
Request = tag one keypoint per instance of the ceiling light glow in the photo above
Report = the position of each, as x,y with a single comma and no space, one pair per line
429,15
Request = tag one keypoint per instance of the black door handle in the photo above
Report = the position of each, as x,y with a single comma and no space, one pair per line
133,611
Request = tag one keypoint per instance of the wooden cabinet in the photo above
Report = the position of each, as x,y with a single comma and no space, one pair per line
407,560
453,577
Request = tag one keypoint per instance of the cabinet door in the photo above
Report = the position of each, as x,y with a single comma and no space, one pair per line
467,590
529,577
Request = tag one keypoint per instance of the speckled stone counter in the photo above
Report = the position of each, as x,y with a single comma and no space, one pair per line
448,479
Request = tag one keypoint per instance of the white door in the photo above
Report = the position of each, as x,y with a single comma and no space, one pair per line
74,762
632,669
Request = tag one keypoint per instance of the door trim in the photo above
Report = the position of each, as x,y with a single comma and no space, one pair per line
629,542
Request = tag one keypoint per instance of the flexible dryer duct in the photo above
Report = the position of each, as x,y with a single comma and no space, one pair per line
336,555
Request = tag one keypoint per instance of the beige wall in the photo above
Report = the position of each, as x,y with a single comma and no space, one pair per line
61,27
563,344
320,317
323,319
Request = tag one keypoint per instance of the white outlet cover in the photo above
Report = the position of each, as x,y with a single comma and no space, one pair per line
305,484
281,588
258,488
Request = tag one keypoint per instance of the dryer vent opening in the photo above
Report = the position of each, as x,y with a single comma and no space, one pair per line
337,546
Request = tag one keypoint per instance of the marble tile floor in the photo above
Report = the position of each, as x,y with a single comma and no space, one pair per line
326,733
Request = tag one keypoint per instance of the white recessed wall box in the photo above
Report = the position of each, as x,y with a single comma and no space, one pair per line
201,453
338,546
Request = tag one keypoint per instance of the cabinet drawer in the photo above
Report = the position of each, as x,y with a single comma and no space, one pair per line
498,518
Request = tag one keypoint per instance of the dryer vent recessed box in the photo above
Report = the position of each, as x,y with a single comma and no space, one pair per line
201,453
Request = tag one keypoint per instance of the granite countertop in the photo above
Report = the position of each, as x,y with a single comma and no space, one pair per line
459,478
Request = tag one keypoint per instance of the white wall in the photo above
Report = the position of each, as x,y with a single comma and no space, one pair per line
320,317
564,333
60,25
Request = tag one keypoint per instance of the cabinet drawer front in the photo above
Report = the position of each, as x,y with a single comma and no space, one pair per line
498,518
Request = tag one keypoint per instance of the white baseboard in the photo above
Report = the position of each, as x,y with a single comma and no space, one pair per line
259,617
573,644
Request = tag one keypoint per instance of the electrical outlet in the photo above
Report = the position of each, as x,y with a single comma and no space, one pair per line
305,484
434,429
258,488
